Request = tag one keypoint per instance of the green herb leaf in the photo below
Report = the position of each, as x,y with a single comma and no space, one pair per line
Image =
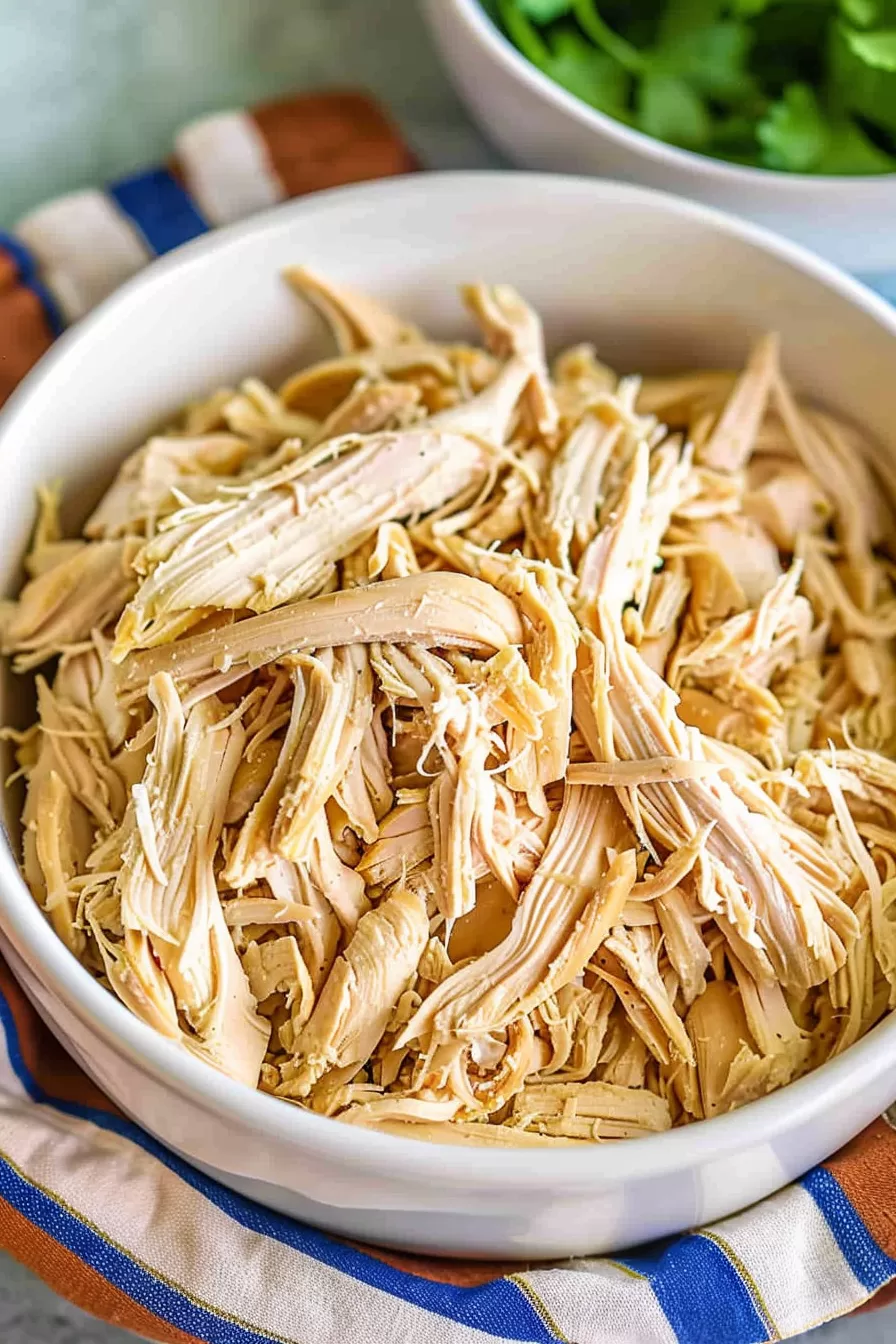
863,13
793,133
669,109
603,36
876,49
735,135
523,34
544,11
849,151
713,60
748,9
591,75
686,16
863,89
571,61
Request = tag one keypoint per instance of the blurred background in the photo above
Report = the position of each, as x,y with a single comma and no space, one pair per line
93,89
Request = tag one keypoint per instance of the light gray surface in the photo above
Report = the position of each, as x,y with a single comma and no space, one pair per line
31,1314
92,89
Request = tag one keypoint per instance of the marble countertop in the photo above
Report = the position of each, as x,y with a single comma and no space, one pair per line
93,89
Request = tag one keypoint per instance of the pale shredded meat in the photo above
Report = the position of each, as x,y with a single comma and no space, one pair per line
477,747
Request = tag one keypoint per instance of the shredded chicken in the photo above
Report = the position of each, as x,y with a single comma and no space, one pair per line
474,747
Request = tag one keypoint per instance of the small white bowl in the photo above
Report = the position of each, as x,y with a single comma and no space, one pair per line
538,124
656,283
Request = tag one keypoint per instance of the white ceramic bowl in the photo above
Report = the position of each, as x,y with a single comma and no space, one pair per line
537,124
657,283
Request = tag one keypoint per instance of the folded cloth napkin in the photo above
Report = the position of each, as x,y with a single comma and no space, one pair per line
116,1223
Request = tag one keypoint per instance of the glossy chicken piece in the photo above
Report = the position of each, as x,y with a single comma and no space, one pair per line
336,706
626,711
279,538
512,328
566,517
167,888
356,320
784,499
734,436
58,841
753,645
79,588
443,610
461,804
565,912
551,638
369,407
353,1009
589,1111
320,391
154,481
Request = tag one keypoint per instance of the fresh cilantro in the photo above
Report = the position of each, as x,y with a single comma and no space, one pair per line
876,49
806,86
591,75
544,11
748,9
869,13
568,58
713,60
793,133
867,91
849,151
735,136
688,16
863,13
603,36
670,109
523,33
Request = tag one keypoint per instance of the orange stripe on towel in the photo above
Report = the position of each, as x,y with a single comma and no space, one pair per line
320,140
68,1276
24,331
459,1273
49,1065
866,1170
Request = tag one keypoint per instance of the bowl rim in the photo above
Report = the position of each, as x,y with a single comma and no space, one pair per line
484,28
357,1149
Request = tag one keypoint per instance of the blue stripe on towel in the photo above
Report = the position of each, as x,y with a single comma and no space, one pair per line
161,210
30,277
479,1308
703,1296
117,1267
871,1266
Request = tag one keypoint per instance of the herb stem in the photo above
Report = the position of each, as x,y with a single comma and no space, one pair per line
591,23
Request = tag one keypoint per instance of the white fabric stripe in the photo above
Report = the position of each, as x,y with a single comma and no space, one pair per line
226,167
160,1220
85,248
793,1259
593,1302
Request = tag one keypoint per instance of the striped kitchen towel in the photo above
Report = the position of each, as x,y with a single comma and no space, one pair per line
119,1225
66,256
